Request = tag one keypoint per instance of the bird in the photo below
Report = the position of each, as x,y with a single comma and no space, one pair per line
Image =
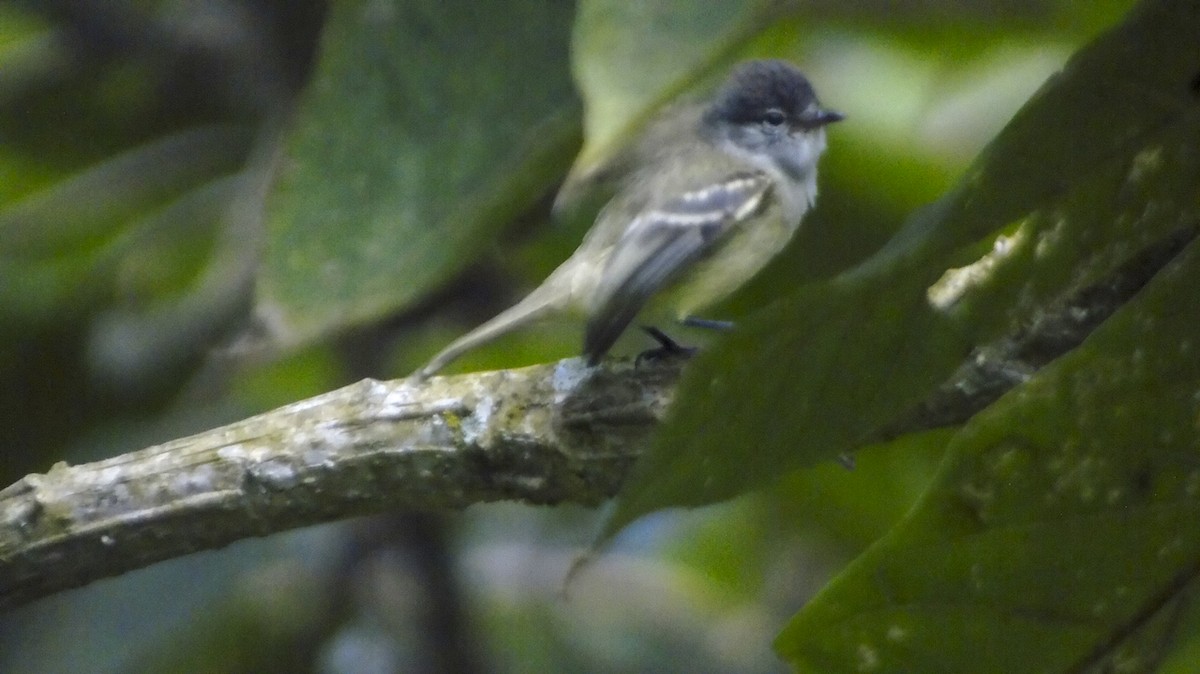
711,192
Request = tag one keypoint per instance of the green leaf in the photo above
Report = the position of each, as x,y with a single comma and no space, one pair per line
1064,516
631,57
1098,166
426,127
60,246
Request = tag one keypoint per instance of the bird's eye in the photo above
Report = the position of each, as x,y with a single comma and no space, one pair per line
774,117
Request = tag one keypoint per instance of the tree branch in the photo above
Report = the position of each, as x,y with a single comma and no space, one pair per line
545,434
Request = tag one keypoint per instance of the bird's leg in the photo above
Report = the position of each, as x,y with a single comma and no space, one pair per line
667,347
708,323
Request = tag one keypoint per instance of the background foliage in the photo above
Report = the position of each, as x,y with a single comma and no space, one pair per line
208,209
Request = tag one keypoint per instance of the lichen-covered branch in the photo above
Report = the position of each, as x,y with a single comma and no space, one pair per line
545,434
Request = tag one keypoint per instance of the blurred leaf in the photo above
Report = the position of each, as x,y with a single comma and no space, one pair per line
631,57
1099,165
427,126
828,512
1064,516
89,206
855,507
59,245
185,274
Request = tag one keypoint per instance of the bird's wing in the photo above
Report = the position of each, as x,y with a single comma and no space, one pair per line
661,242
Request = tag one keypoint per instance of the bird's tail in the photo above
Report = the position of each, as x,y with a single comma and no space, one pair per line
545,300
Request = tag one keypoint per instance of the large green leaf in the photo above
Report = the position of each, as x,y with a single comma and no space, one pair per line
61,245
630,57
427,125
1065,517
1099,165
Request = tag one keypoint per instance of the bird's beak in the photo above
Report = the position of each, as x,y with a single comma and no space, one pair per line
824,117
816,118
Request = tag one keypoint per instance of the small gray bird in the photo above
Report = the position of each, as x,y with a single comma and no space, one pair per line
714,191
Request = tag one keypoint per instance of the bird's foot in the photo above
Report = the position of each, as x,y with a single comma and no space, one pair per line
667,347
708,323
